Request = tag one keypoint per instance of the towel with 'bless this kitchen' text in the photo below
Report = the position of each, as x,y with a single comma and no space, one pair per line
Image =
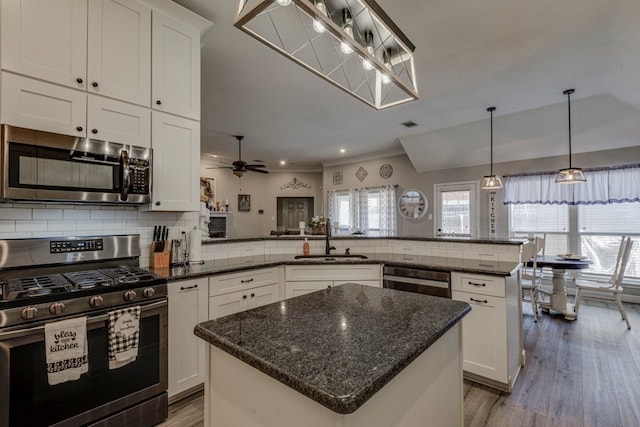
124,336
66,349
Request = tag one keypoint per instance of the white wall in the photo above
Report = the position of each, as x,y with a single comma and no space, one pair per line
405,176
264,190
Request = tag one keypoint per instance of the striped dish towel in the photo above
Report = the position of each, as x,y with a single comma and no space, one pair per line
124,336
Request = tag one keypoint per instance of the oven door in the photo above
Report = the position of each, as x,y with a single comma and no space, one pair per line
134,394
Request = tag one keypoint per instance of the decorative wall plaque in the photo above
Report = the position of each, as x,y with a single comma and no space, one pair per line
294,184
386,171
337,178
244,203
361,173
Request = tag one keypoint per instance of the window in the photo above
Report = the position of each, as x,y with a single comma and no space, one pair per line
343,212
601,228
373,212
370,211
528,220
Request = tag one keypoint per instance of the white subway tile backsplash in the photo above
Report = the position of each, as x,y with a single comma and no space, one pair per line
15,213
88,225
7,226
76,214
62,225
128,215
31,226
46,214
102,214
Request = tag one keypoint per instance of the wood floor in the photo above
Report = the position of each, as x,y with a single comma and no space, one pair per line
578,374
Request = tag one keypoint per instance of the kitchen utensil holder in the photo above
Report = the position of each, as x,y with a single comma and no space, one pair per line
159,259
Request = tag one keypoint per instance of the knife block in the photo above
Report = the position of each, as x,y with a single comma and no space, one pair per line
159,259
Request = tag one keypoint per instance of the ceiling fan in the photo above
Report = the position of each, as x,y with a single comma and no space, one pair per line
240,167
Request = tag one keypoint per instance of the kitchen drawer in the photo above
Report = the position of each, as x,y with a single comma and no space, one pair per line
343,273
478,284
233,282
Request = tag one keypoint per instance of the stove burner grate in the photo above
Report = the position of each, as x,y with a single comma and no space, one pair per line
88,279
38,285
129,274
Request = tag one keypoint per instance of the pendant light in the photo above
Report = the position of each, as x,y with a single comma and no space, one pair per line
570,175
491,182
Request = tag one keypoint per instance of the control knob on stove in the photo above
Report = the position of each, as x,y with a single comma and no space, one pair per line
129,295
56,308
29,313
148,292
96,301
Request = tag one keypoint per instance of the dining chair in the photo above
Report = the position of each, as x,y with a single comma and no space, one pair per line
613,285
531,277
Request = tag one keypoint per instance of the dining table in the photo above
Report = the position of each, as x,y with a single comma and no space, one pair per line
558,298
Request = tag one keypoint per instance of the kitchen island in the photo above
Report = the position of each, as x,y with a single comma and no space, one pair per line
351,355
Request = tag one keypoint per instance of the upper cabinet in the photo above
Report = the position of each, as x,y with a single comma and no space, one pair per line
50,41
176,67
119,50
46,40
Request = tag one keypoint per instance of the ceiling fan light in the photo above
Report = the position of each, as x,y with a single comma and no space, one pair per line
318,25
283,2
570,176
491,182
238,173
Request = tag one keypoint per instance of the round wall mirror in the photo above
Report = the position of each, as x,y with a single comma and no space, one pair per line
412,204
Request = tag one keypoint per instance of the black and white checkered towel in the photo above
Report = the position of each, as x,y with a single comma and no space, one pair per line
124,335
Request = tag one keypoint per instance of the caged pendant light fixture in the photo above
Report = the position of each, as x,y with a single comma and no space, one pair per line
491,182
570,175
352,44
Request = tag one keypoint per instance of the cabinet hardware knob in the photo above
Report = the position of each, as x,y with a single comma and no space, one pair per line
253,295
79,128
184,288
94,84
158,203
94,130
244,297
79,80
247,281
477,284
159,102
484,301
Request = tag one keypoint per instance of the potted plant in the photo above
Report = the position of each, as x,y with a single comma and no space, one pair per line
318,224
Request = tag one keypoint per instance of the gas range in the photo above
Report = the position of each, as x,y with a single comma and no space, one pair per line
43,279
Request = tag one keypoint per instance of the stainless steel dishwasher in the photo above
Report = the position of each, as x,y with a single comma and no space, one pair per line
421,281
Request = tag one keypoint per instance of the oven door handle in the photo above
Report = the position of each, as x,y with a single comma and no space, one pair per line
90,320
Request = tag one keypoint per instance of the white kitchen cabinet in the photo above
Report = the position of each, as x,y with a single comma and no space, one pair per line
235,292
117,121
119,50
35,104
46,40
491,333
176,163
302,279
102,46
188,306
175,83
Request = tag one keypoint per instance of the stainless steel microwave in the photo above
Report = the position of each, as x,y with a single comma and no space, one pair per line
44,166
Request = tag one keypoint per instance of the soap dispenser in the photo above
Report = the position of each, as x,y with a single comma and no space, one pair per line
305,247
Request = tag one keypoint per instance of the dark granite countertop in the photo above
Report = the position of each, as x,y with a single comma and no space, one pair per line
337,346
232,265
487,240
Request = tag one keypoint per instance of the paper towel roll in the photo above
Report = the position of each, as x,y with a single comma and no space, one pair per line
195,247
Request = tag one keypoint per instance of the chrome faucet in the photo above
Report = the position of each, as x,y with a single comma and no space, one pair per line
327,245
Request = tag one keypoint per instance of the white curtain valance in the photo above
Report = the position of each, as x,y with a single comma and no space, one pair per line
603,186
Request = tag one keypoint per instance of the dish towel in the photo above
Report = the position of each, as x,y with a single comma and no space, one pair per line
66,350
124,335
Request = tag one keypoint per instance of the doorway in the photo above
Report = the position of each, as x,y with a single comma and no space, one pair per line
292,211
456,209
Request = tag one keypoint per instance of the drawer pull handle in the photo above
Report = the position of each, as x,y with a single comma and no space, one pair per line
247,281
477,284
483,301
186,288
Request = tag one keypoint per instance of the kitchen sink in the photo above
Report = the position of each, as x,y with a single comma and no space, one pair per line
333,257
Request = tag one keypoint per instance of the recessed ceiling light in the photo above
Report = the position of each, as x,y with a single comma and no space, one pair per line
342,150
282,163
213,155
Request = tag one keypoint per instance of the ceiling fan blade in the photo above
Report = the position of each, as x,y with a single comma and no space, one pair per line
257,170
221,167
255,166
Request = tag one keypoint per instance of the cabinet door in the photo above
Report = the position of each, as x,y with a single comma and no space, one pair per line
295,289
187,307
263,295
484,336
176,67
227,304
35,104
116,121
46,39
119,50
176,163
